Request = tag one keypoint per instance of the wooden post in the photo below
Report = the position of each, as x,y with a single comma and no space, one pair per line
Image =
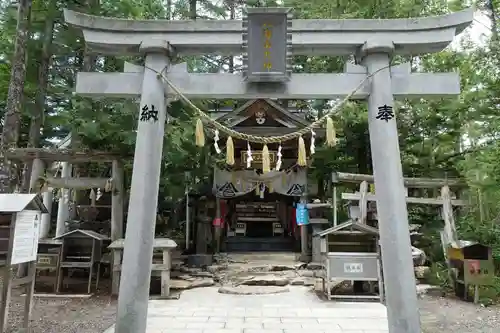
117,201
7,278
63,207
165,274
363,202
217,229
334,181
30,291
188,217
117,261
48,198
37,171
449,222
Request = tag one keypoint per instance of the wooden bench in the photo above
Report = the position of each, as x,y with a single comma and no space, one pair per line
159,268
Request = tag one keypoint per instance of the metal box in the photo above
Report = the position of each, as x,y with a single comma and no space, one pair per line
350,251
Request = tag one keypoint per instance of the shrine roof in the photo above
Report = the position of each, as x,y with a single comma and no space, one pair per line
277,112
349,225
88,233
17,202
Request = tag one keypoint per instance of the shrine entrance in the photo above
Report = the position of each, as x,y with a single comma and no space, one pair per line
261,224
258,207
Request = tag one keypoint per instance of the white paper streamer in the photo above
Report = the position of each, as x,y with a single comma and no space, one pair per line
99,194
262,189
216,142
66,196
313,147
249,156
278,162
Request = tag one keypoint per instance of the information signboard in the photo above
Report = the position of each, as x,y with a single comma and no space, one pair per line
26,236
267,45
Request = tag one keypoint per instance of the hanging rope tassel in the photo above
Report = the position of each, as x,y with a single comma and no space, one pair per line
302,155
109,185
266,160
331,140
199,133
93,198
270,187
229,151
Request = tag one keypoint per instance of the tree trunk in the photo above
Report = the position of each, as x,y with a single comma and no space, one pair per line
12,120
37,118
87,64
493,18
232,14
169,9
192,9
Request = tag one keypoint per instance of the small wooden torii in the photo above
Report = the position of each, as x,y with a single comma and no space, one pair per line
42,157
446,201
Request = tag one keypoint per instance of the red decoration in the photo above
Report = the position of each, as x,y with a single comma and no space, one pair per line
218,222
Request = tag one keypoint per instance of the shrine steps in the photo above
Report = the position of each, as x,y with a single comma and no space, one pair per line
259,244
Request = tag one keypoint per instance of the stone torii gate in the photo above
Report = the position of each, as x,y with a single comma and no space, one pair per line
373,42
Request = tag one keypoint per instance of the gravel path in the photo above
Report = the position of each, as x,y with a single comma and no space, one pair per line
94,315
64,315
440,315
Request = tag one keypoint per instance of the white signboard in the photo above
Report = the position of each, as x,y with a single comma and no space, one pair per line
26,236
353,268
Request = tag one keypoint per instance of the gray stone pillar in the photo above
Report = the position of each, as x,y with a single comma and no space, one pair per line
45,225
63,207
401,298
137,256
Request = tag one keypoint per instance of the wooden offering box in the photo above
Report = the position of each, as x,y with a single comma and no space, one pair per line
49,257
81,249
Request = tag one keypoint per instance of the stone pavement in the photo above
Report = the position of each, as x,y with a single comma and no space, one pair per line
205,310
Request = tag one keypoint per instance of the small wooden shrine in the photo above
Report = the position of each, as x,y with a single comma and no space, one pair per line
81,249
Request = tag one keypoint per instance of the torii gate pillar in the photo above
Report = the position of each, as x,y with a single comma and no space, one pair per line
138,250
401,298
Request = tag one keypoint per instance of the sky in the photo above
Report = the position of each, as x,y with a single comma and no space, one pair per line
479,31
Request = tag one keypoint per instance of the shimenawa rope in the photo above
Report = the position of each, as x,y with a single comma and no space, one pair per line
263,139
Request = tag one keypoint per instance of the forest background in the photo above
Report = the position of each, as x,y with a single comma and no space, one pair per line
455,137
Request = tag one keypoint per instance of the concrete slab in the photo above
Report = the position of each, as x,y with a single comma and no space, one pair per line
298,311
